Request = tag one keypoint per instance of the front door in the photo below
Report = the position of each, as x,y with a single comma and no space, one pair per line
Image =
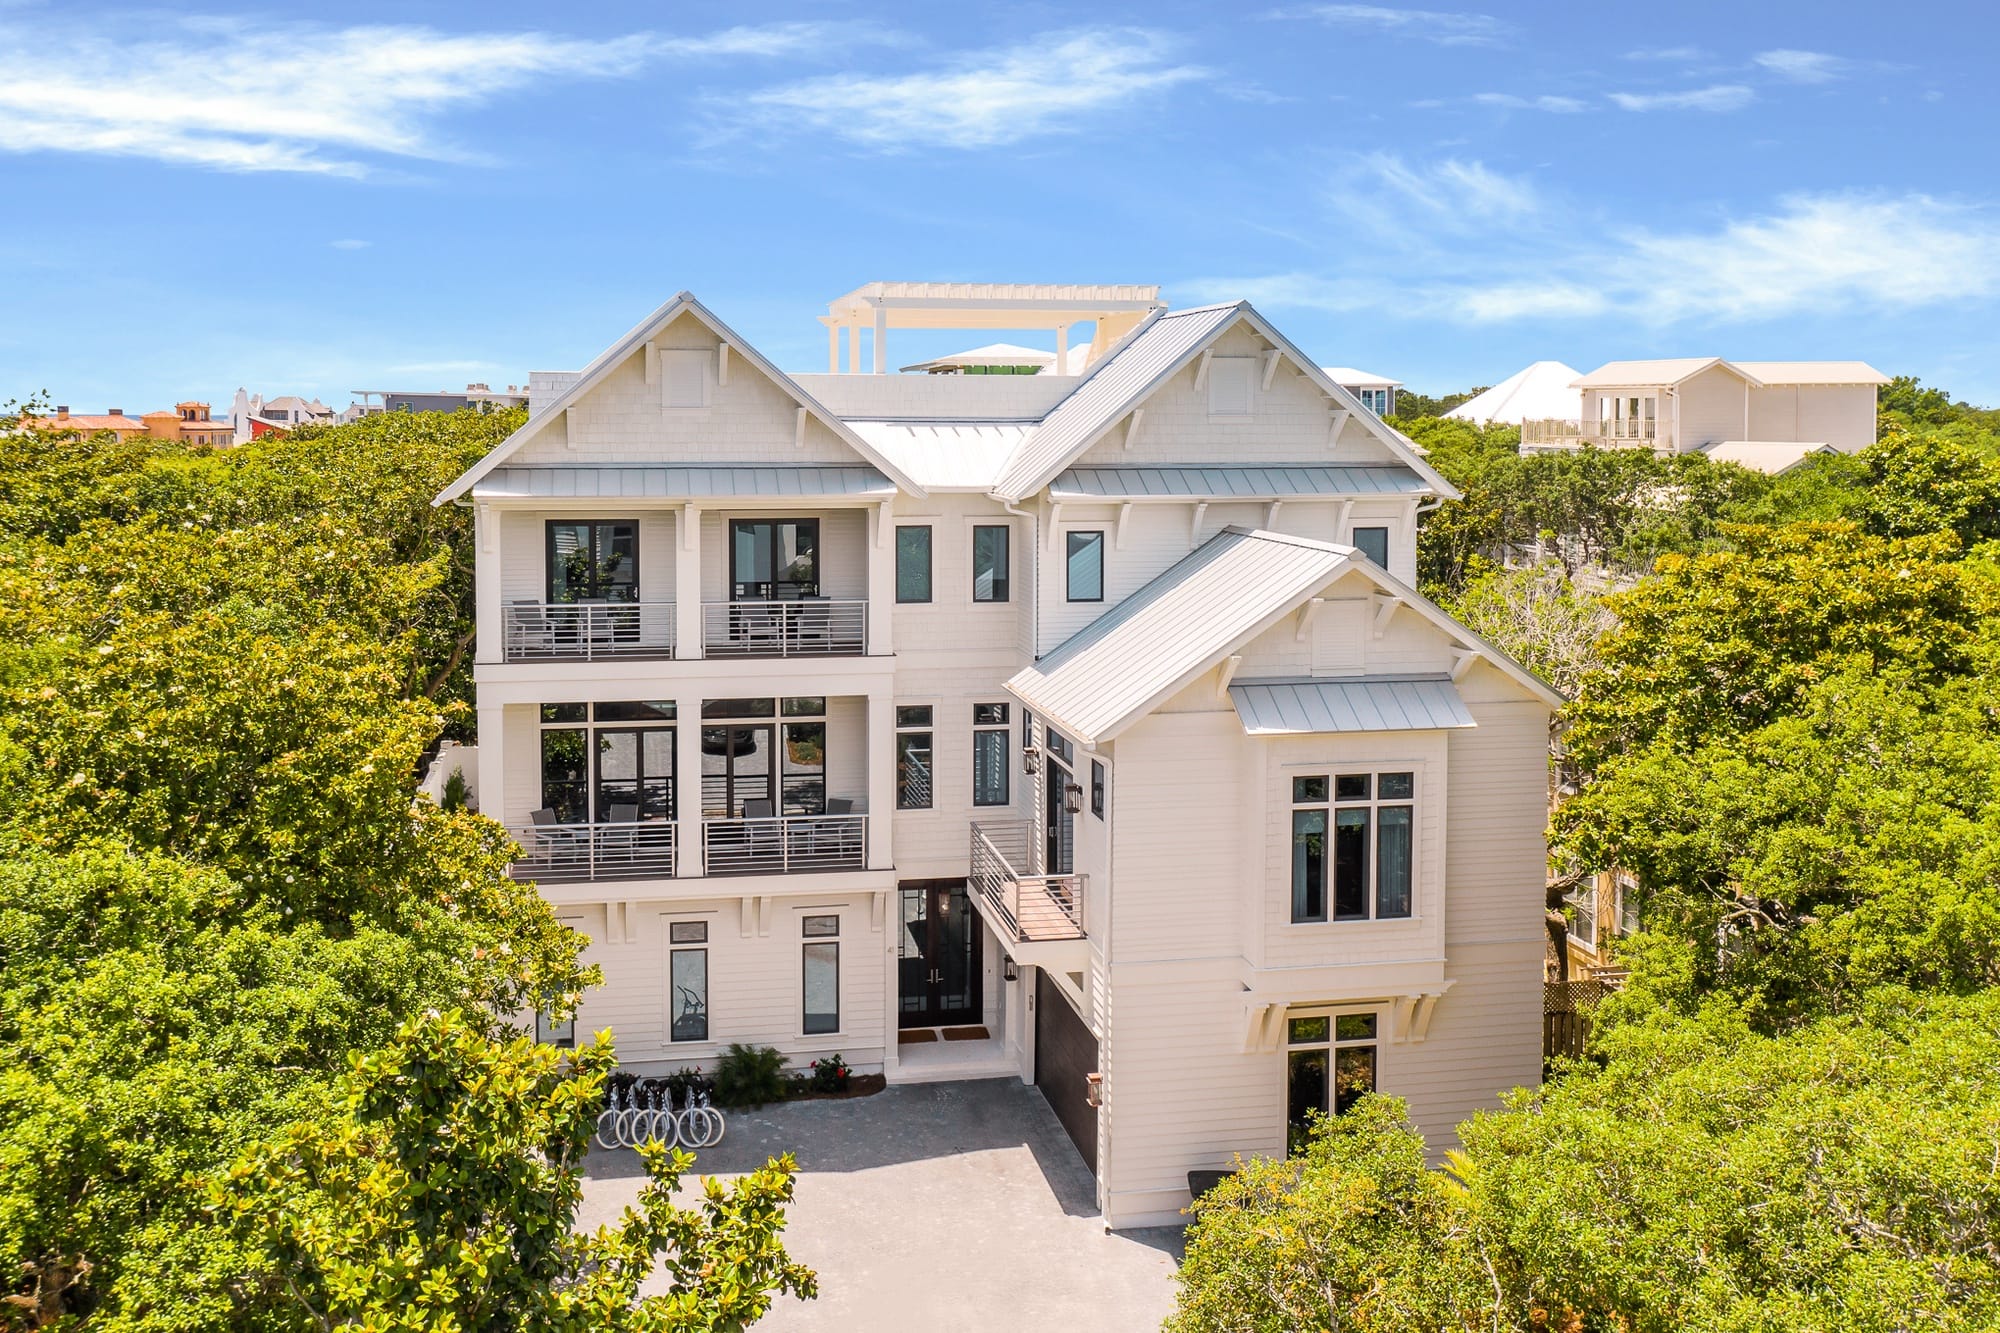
939,956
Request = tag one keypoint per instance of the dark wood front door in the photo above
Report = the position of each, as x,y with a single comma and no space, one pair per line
938,964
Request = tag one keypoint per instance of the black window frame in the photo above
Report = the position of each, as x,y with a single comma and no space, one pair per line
805,587
1090,536
1097,787
986,734
930,563
1326,1034
818,943
927,729
687,937
1357,542
598,589
1000,586
1331,871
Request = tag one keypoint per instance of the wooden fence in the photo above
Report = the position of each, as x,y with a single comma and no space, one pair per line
1566,1010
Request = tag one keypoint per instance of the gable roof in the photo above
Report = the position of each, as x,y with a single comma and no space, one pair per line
1544,391
1145,359
1814,372
1649,374
614,356
1268,481
1349,377
1222,594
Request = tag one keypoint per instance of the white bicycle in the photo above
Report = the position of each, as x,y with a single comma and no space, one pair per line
648,1113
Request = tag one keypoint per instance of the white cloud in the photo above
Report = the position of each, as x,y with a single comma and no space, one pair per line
1803,66
1721,97
348,243
1451,190
1446,28
235,95
1545,102
978,100
1668,53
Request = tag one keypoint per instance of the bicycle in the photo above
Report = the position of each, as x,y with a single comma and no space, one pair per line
608,1118
701,1125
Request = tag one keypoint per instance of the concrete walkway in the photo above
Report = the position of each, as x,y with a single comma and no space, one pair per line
944,1205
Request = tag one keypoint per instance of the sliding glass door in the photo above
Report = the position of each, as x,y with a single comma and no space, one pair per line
773,559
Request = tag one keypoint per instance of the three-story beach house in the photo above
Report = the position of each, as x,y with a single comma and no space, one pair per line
1084,728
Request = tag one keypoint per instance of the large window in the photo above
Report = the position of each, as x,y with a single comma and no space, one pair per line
1353,838
1373,543
990,563
913,758
913,564
608,763
989,754
1086,567
1628,418
1329,1065
687,973
773,559
593,562
756,767
822,974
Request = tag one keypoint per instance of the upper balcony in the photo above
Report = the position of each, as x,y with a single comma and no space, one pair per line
1037,917
1570,433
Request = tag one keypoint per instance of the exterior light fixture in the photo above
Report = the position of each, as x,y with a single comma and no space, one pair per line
1093,1089
1029,754
1009,972
1072,797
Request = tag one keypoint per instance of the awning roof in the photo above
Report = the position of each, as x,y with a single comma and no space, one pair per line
1366,703
1226,483
680,482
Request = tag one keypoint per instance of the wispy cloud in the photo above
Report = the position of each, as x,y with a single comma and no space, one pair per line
1803,66
236,95
1037,88
1720,97
1544,102
1667,53
1452,187
1445,27
348,243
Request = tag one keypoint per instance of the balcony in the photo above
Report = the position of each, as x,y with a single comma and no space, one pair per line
806,627
1558,433
587,631
568,853
1022,908
785,844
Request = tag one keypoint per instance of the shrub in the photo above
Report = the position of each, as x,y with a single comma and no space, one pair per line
830,1074
456,791
749,1076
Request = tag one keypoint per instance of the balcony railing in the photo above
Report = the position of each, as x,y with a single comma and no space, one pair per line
808,627
1558,433
587,631
785,844
565,853
1035,908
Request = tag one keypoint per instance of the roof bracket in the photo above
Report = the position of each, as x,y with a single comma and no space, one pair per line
721,364
569,428
1461,662
1338,419
1271,360
1132,425
652,353
1420,1026
1124,514
1271,513
1340,530
1055,517
799,430
1194,528
1306,615
1227,673
1201,368
1385,610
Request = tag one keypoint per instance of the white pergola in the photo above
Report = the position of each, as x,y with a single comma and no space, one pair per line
1115,308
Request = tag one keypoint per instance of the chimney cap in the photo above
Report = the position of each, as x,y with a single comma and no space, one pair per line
62,410
114,411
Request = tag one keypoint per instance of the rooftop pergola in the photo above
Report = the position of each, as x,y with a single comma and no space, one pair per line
1115,308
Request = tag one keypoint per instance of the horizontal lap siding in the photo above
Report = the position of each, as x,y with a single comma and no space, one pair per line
1178,839
1485,1039
1842,415
1496,854
1711,409
524,569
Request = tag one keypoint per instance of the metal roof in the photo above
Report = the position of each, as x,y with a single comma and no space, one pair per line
1647,374
1541,392
945,455
1347,377
1223,593
1275,481
1775,457
1150,353
1814,372
612,483
1364,703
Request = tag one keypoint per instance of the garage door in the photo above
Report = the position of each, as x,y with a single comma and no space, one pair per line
1065,1053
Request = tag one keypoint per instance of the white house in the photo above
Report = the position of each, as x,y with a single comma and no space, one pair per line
1376,392
1090,721
1690,403
1543,391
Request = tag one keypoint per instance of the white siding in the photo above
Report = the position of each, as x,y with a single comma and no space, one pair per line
1842,415
524,548
1711,409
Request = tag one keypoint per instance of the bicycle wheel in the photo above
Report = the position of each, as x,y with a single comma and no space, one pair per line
607,1129
713,1127
663,1125
631,1127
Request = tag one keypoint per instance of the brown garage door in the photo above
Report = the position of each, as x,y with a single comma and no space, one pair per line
1065,1053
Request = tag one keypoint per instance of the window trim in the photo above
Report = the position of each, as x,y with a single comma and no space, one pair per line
824,942
1333,1013
1354,532
593,756
1069,563
549,526
707,975
930,564
1004,729
1006,575
928,730
1097,787
1375,769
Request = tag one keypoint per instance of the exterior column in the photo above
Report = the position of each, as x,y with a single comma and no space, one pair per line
881,340
833,349
487,604
881,779
492,761
854,349
687,583
1062,349
881,579
687,786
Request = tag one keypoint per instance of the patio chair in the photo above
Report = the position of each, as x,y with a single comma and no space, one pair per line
812,626
529,633
761,841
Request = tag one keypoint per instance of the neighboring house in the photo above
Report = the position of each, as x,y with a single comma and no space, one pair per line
113,420
477,397
1377,394
1082,729
1543,391
1679,406
190,423
252,415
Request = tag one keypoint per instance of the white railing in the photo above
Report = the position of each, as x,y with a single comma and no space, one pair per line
586,631
785,844
555,853
1559,433
1033,907
808,627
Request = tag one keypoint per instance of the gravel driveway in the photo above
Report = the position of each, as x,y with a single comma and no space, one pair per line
939,1205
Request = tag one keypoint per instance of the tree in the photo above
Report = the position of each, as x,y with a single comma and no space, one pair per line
1537,616
1933,481
442,1195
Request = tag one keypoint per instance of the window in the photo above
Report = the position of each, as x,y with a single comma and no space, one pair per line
769,761
1373,543
1628,418
1086,566
989,754
1059,745
1232,386
608,763
913,564
1628,904
913,758
1097,788
552,1033
1583,914
989,563
593,562
1329,1065
1378,401
822,974
687,975
773,559
1353,833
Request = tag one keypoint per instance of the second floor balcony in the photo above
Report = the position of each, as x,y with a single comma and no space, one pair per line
588,631
1023,908
1571,433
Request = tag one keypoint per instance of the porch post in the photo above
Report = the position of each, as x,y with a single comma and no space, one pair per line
687,583
881,778
487,603
687,786
881,579
492,761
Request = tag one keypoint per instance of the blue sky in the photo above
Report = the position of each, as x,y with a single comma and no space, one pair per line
316,198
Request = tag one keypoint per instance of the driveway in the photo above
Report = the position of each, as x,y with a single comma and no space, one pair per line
935,1205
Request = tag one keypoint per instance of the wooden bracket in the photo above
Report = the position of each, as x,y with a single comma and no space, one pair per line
1271,359
1271,513
1385,610
1132,425
1461,662
1338,419
1124,516
1340,523
1055,517
1226,673
1307,614
721,364
799,430
569,428
1420,1025
1201,368
1194,528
